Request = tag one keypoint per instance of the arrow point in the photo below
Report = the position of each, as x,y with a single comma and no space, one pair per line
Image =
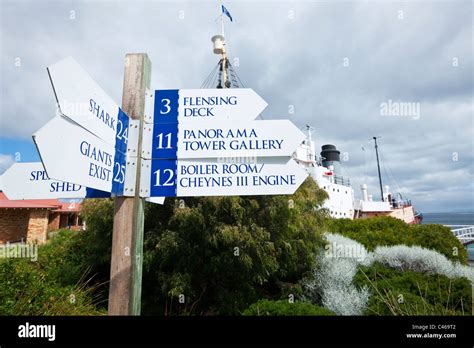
260,103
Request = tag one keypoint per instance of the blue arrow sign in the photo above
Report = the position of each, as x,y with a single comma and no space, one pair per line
188,178
214,104
174,136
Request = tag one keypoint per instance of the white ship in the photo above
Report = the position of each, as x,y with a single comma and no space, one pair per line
326,170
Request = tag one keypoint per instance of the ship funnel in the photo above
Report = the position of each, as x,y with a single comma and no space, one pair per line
331,157
219,42
365,195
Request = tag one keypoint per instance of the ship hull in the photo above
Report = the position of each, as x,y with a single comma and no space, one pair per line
406,214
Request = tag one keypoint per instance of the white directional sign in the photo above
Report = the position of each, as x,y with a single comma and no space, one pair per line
156,200
224,103
190,137
186,178
70,153
82,100
218,139
25,180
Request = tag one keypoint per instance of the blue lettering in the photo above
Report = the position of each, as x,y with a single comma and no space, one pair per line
274,180
101,114
85,150
57,186
239,168
38,175
99,172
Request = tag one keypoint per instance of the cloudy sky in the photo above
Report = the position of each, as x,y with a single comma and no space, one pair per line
329,64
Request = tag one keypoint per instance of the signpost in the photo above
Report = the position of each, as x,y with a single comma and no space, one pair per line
228,104
82,100
127,239
30,181
71,153
177,143
217,139
190,178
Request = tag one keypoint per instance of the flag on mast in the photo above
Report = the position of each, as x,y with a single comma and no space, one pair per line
226,12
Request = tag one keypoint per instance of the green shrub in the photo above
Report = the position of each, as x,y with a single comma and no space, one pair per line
395,292
63,257
224,253
285,308
27,289
439,238
99,216
60,282
387,231
221,253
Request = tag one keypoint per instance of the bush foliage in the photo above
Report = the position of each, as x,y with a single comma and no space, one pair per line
219,255
396,292
387,231
331,281
223,253
285,308
423,273
57,284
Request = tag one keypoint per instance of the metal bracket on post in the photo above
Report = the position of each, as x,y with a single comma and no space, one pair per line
133,133
145,182
145,178
149,106
147,140
130,176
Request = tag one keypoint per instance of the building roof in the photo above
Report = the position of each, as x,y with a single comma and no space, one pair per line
52,204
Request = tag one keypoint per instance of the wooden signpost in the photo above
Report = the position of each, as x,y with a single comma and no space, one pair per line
127,241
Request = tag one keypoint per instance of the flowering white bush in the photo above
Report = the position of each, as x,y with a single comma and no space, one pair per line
337,265
420,259
346,301
342,247
332,278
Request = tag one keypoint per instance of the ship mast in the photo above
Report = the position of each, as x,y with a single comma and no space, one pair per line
312,154
224,80
378,167
223,75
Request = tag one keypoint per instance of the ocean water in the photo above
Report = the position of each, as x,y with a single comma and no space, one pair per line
454,220
461,219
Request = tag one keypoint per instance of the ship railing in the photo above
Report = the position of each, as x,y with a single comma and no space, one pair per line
464,234
401,204
463,230
339,179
